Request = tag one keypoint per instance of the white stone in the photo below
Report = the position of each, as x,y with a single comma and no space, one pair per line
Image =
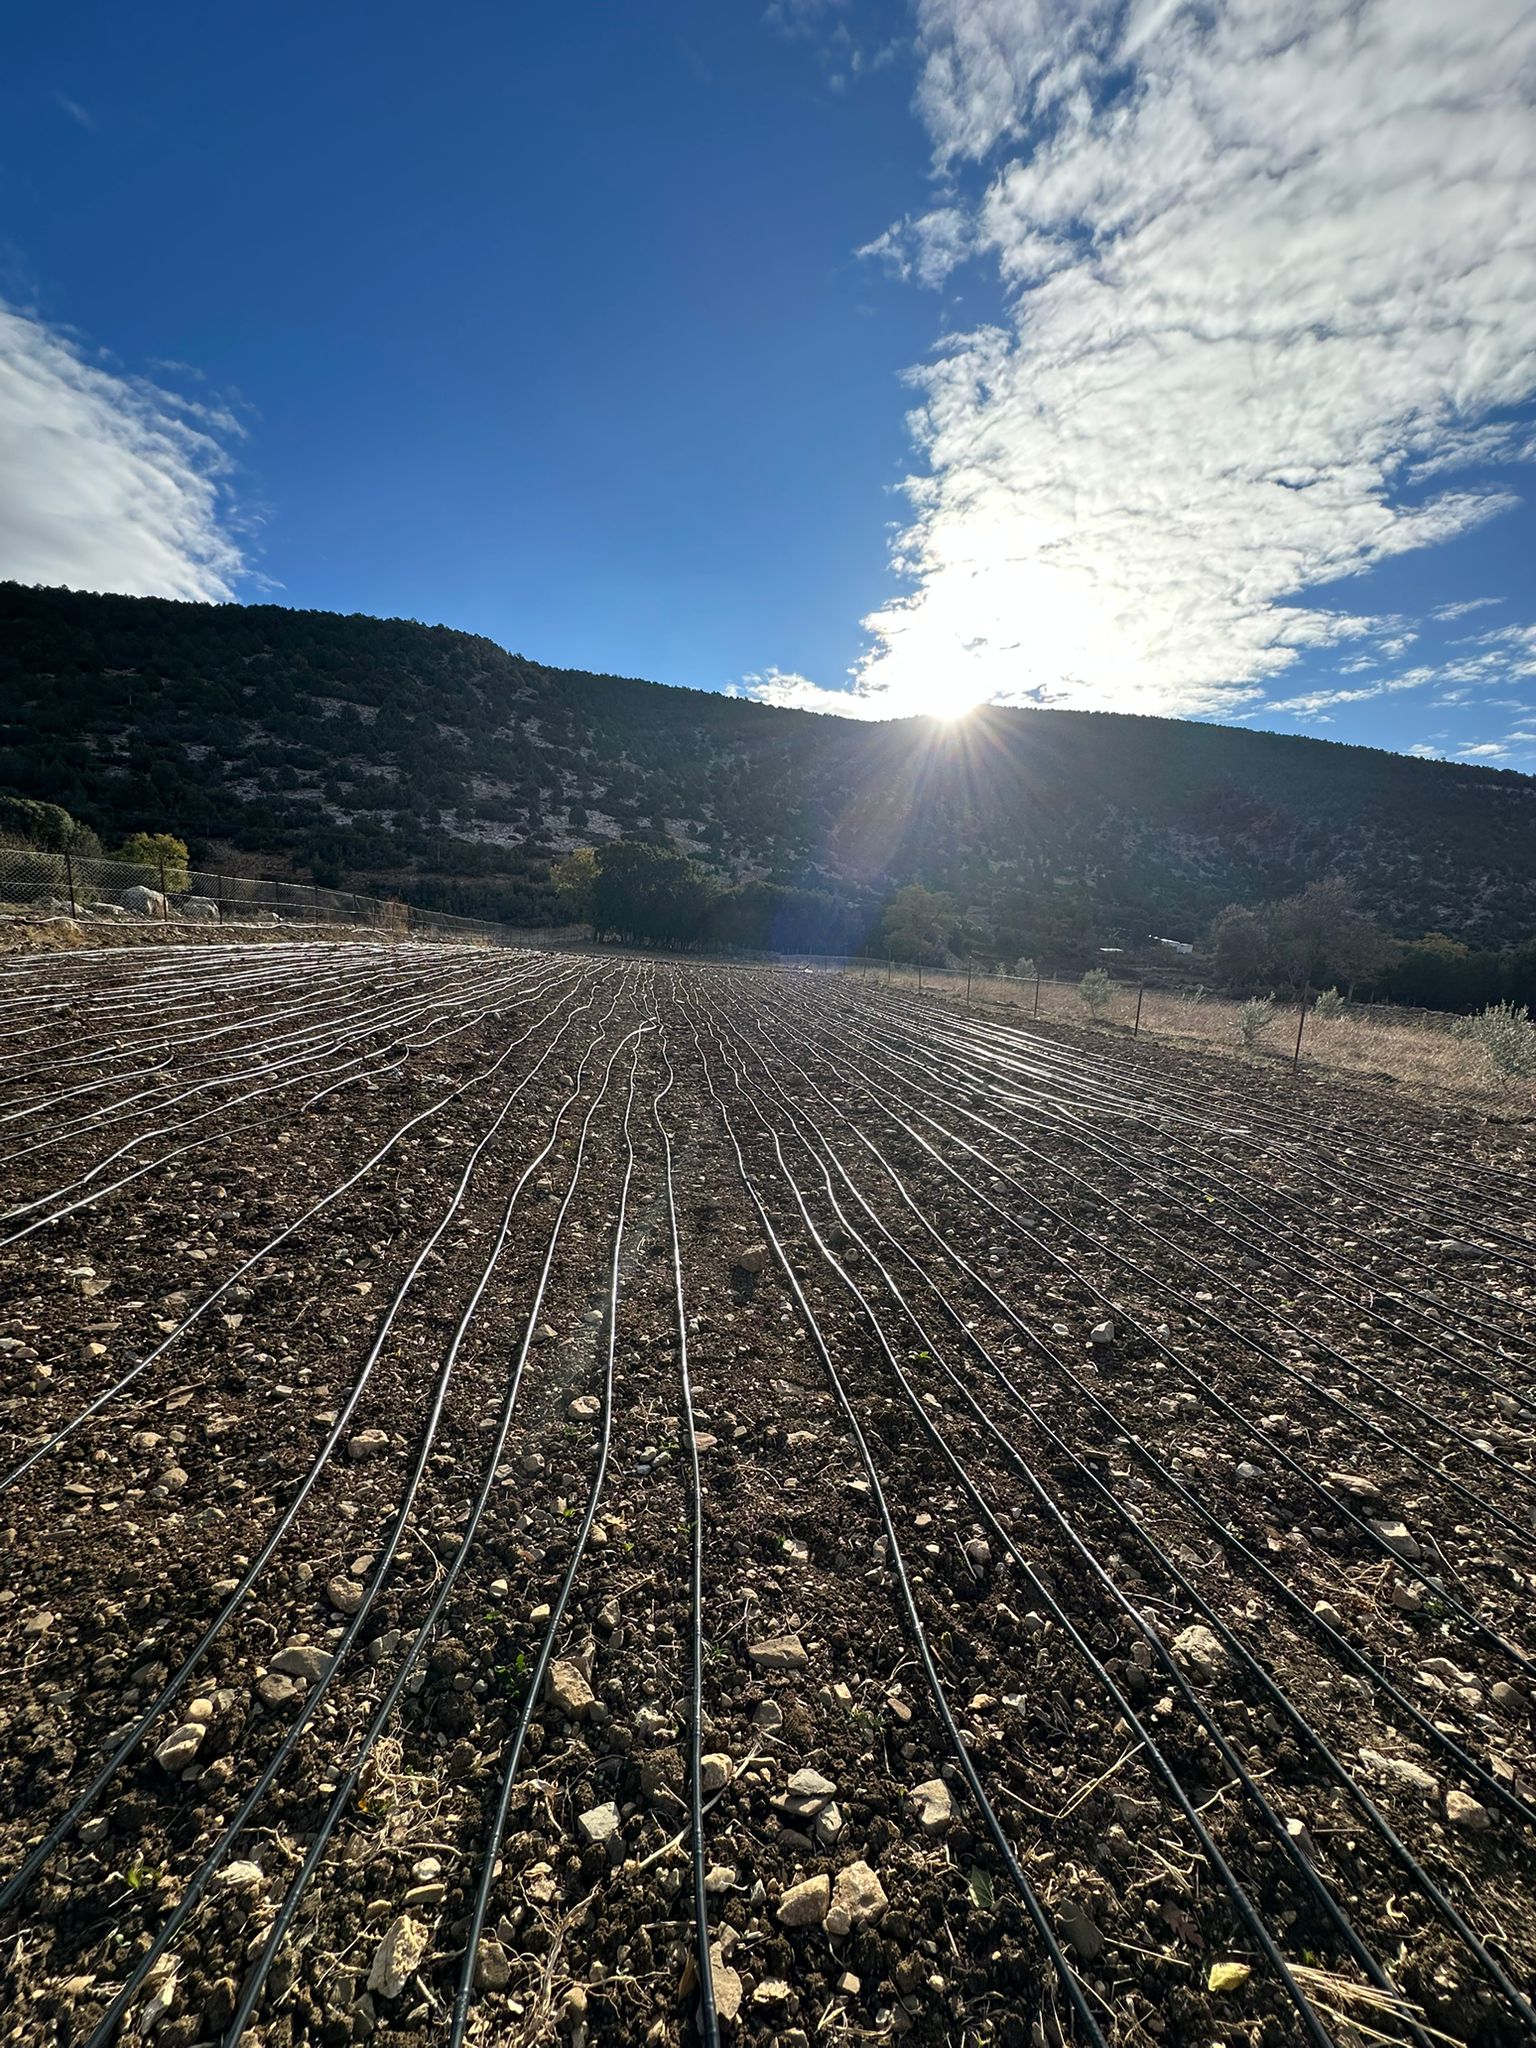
397,1956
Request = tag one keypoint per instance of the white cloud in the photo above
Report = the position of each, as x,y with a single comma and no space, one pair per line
1312,702
927,248
107,482
1267,263
1446,612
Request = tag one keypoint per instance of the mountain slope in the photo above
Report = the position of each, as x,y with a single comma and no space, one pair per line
384,748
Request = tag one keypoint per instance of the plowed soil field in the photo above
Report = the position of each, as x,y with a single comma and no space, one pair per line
559,1498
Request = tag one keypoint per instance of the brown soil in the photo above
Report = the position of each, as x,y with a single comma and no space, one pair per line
894,1303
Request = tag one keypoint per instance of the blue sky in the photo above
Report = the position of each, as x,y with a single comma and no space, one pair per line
878,357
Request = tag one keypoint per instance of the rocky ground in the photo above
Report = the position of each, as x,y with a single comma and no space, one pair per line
1112,1477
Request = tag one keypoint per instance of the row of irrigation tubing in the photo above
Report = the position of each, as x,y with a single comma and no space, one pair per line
1122,1431
1300,1138
1165,1351
128,1049
1432,1732
825,1153
1266,1310
343,999
1038,1916
21,1880
1335,1641
1414,1257
316,1050
490,1855
455,1094
346,1789
177,1051
220,1135
96,975
708,2017
1201,1311
1246,1912
1295,1133
198,1883
1466,1325
318,1047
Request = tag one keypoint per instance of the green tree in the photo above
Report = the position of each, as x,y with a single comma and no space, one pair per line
1322,935
575,882
919,923
161,851
1239,945
650,894
1254,1019
1097,991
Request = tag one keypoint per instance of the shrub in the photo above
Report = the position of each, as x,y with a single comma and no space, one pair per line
1254,1019
1329,1004
160,851
1505,1036
1023,968
1193,996
1096,990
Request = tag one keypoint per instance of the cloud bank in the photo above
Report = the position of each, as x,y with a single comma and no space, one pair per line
1269,286
107,482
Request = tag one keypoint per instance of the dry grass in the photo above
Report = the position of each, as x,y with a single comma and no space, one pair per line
1412,1048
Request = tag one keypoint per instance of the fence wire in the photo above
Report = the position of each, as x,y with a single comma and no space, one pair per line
38,883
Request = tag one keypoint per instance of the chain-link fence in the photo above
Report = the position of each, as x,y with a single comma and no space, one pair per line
36,883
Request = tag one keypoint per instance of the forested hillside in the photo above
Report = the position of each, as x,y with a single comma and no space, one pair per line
366,748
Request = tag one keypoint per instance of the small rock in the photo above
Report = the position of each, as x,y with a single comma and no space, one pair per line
1102,1333
368,1443
585,1408
37,1624
715,1772
299,1660
978,1554
1200,1651
778,1653
805,1905
719,1877
1396,1537
277,1690
1509,1697
568,1689
932,1805
1463,1811
600,1823
345,1595
1400,1768
727,1983
752,1258
397,1956
240,1876
857,1898
768,1715
180,1746
492,1970
772,1992
1328,1613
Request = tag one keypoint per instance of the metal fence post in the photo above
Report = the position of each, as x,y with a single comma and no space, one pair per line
1136,1027
1301,1025
69,879
164,892
967,981
1036,1010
